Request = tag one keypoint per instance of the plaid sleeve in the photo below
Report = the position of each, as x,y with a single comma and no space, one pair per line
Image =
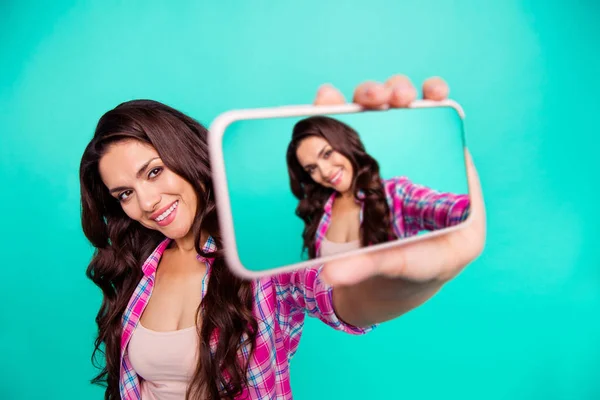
426,209
304,291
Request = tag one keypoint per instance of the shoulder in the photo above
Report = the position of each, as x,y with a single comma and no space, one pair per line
151,263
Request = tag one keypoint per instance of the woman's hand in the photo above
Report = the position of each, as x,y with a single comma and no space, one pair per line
427,263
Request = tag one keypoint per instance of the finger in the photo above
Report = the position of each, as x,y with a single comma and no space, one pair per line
436,89
348,271
372,95
329,95
403,91
477,203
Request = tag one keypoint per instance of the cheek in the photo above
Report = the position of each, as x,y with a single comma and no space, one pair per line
349,166
340,161
189,197
132,210
344,162
316,176
193,203
174,185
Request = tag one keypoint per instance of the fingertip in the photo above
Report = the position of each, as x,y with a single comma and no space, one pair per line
372,95
398,79
325,87
349,270
402,95
327,94
435,88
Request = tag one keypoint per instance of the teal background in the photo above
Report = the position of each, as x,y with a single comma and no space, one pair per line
426,145
520,323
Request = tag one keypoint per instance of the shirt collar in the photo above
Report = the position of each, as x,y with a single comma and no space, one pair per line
329,203
149,267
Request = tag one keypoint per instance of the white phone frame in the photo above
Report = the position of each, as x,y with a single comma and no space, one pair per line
223,203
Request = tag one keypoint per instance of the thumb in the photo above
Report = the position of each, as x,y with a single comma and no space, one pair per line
349,270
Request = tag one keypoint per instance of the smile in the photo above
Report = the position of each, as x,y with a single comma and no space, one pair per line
167,212
337,178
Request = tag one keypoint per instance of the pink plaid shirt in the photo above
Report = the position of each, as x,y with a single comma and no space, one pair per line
413,208
280,305
281,302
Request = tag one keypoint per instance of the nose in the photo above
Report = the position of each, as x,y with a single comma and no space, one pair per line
325,169
148,200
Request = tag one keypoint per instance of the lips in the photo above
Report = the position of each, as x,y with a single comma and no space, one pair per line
336,178
160,212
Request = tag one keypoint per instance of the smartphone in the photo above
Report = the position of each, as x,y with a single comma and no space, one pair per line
298,186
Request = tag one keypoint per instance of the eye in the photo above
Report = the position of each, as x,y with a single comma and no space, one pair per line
124,195
155,172
327,154
310,170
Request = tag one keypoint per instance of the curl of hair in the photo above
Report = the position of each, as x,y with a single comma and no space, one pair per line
122,245
376,225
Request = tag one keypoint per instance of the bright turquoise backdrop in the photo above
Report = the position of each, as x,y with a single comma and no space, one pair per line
520,323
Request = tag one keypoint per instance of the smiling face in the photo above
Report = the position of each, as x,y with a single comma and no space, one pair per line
325,166
148,191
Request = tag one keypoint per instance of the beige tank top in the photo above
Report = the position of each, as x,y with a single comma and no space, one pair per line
165,361
329,248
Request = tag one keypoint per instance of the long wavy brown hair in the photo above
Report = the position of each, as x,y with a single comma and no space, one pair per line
122,245
376,226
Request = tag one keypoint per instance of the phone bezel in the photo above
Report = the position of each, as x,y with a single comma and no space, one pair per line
223,203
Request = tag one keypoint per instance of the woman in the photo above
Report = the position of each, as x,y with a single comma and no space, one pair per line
174,322
345,204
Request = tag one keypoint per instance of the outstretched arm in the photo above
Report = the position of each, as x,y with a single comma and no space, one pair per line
383,285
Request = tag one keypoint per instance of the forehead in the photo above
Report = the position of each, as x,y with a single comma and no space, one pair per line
309,148
122,161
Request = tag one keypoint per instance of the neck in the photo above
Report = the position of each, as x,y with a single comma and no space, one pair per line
187,244
348,195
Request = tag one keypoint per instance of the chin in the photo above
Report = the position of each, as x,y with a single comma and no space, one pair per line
344,188
176,232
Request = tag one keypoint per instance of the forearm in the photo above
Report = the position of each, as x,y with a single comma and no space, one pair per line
380,299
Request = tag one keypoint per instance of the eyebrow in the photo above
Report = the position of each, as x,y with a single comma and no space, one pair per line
137,175
318,156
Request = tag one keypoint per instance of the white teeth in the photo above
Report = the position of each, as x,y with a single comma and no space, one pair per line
336,177
166,213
